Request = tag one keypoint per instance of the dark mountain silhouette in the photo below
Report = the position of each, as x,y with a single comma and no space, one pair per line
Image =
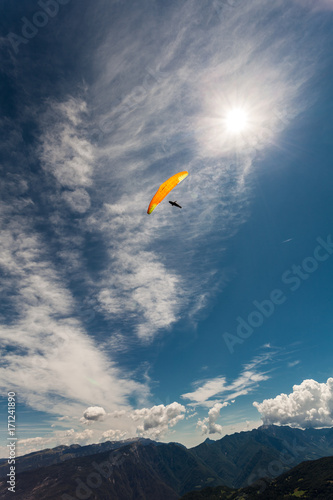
145,470
157,472
312,480
60,454
243,457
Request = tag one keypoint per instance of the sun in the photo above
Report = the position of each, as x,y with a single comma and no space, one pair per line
236,120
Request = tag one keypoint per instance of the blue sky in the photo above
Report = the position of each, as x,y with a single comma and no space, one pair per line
185,323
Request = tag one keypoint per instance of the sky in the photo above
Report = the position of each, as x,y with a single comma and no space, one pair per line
186,323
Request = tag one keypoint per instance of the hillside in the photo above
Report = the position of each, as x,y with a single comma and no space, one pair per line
311,480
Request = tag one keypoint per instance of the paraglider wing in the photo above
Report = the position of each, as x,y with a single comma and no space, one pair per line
165,188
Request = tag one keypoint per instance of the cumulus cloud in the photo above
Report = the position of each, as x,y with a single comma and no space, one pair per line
93,414
156,421
117,414
208,424
309,405
113,435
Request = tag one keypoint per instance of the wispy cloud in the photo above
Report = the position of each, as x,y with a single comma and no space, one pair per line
48,356
138,94
66,154
293,363
316,5
218,390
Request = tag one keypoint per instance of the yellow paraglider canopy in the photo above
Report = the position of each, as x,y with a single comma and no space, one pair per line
165,189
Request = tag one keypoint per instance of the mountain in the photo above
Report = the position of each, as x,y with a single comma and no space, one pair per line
145,470
60,454
312,480
156,472
243,457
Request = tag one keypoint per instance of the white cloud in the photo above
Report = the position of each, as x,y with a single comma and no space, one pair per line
117,413
47,354
156,421
93,413
309,405
151,279
137,287
215,390
241,427
58,438
316,5
54,365
208,425
78,200
73,109
113,435
64,151
206,391
293,363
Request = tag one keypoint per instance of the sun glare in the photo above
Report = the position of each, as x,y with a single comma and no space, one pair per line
236,120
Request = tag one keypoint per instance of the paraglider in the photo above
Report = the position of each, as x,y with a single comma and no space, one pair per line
165,189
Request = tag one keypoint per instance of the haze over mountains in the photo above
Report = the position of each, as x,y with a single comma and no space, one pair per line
144,469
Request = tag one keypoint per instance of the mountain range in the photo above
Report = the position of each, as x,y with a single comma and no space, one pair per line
145,470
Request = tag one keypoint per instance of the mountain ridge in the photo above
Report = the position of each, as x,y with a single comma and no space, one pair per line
140,468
